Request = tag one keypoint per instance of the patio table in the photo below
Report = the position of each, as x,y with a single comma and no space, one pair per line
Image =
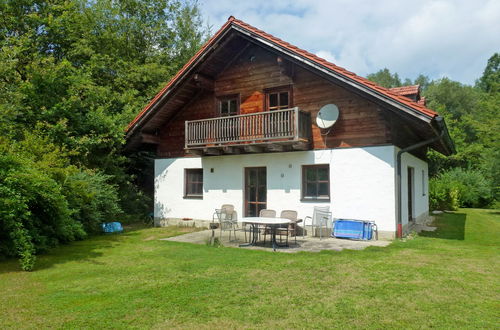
273,223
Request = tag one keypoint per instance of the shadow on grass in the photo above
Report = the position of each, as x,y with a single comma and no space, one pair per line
75,251
449,226
87,250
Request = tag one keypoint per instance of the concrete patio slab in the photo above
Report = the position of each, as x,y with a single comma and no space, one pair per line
310,244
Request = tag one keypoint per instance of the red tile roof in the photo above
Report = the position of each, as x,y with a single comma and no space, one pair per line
305,54
406,90
422,101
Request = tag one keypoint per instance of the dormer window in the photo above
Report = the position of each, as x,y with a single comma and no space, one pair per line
278,98
228,105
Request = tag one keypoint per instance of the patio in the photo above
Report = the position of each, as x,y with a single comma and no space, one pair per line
308,243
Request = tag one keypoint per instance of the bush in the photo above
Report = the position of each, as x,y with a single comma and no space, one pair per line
45,202
460,188
92,200
443,195
34,212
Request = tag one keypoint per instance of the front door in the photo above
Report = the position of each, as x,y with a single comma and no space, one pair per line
410,193
255,190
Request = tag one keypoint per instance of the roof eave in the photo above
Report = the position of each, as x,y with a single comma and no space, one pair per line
176,80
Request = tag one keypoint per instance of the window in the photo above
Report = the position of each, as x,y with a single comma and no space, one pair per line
228,105
193,183
423,183
277,99
316,182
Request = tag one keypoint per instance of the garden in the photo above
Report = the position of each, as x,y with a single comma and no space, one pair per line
442,279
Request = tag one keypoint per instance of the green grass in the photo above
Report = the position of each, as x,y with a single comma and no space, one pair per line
445,279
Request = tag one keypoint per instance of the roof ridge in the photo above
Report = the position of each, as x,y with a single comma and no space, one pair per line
406,87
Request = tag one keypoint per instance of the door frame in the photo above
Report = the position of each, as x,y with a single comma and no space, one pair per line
410,186
245,190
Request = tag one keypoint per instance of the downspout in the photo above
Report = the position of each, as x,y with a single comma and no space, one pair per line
440,123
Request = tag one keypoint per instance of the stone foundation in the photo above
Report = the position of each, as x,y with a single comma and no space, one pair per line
182,223
422,219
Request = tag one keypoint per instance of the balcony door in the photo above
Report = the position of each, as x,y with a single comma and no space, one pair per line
278,99
229,128
255,190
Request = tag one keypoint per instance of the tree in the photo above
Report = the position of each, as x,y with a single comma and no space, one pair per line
423,81
490,81
76,72
385,78
473,119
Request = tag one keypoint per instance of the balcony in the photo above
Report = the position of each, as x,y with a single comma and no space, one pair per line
279,130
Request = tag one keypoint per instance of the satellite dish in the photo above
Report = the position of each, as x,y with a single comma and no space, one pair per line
327,116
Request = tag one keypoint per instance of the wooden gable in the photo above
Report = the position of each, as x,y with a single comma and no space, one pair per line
243,61
257,70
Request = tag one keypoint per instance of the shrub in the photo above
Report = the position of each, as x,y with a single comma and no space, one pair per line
34,212
443,195
14,238
45,202
459,188
92,200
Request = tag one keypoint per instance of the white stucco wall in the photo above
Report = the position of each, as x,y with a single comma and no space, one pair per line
420,189
362,183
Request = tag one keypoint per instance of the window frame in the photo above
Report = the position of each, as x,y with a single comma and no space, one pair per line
226,98
305,182
187,194
278,90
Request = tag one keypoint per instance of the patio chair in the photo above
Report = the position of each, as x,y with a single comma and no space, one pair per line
321,217
227,219
266,213
292,226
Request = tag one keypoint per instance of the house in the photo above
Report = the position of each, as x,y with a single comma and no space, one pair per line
238,125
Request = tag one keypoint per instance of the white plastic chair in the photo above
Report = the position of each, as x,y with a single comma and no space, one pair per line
321,217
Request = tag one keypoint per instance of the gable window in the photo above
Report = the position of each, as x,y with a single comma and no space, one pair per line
193,183
277,99
316,182
228,105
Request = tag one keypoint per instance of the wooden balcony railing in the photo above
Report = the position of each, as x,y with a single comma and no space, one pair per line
279,126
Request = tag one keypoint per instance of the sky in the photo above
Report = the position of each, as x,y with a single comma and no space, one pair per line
437,38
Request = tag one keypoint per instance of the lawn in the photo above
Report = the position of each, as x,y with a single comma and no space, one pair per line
445,279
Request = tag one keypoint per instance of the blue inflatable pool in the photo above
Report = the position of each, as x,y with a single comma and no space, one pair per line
112,227
353,229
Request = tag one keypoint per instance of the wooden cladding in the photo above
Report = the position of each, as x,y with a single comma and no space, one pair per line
273,126
361,122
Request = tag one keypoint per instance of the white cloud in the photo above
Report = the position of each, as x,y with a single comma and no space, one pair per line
327,55
434,37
